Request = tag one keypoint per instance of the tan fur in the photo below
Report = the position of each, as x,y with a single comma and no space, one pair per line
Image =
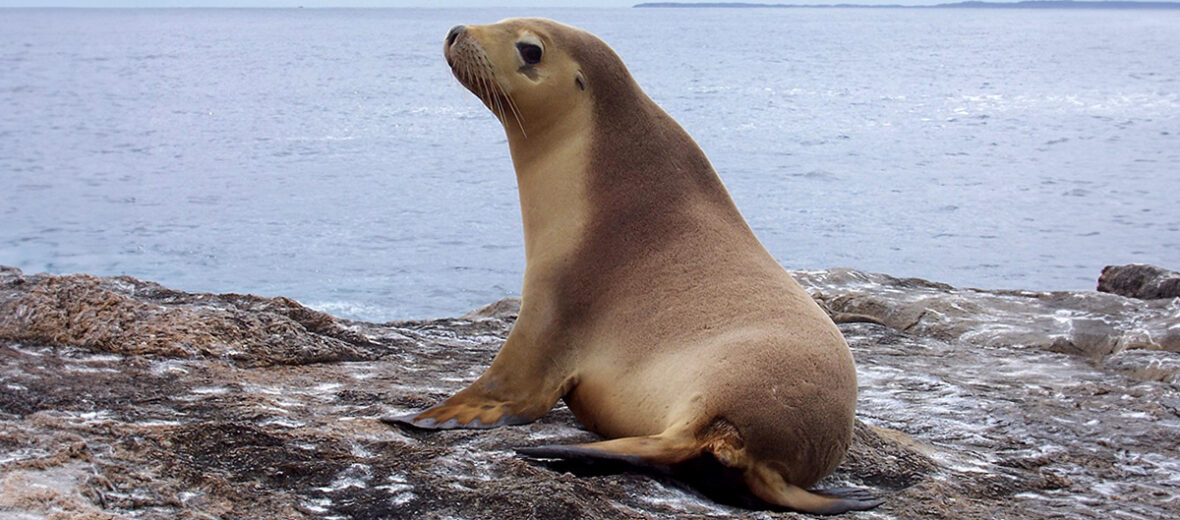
648,304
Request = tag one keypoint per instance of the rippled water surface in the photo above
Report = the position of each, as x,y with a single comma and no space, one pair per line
328,155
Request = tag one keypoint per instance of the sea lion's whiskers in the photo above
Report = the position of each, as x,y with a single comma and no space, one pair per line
515,113
479,79
475,70
485,92
482,79
489,88
473,77
497,90
476,81
503,93
494,92
466,72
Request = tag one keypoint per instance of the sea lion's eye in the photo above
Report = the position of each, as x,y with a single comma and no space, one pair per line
531,54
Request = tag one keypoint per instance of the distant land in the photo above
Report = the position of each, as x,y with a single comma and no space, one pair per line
1028,4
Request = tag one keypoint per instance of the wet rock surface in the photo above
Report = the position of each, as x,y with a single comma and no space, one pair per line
1097,326
123,399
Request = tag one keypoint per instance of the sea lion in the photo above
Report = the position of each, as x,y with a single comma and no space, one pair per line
647,303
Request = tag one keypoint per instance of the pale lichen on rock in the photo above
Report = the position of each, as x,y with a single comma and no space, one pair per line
123,399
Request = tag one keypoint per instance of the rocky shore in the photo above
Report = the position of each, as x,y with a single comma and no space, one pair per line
120,398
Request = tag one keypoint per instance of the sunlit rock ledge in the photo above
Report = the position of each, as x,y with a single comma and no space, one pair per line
121,398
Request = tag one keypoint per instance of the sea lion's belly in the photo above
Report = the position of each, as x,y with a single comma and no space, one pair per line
621,396
639,389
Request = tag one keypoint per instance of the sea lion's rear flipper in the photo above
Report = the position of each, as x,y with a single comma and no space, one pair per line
769,486
712,468
651,450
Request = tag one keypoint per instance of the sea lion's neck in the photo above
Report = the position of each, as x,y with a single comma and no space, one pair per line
551,169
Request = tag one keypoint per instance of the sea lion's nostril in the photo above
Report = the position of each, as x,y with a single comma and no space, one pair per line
454,33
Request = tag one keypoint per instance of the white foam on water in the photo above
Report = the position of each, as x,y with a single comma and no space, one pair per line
29,351
341,483
21,454
317,505
210,390
282,422
260,389
83,369
77,418
357,450
402,498
355,310
100,358
355,476
1108,488
397,485
167,367
1136,415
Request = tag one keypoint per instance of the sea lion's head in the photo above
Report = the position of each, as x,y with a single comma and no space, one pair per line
532,72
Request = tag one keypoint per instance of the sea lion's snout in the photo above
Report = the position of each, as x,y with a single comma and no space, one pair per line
454,33
452,36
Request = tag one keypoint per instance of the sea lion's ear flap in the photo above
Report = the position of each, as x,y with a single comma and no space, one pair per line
580,80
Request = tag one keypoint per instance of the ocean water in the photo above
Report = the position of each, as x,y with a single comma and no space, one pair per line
329,156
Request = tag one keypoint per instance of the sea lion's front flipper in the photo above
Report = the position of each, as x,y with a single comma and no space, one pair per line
462,415
522,385
473,408
512,391
652,450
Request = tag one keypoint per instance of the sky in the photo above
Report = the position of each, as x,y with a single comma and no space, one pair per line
407,3
316,3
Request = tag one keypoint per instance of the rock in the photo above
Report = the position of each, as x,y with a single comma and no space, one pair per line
508,308
123,399
1139,281
1090,324
127,316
